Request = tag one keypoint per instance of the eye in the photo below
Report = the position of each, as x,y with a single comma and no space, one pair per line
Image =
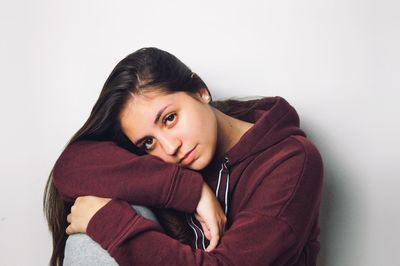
147,144
169,119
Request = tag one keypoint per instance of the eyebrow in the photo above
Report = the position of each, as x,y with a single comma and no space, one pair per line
159,113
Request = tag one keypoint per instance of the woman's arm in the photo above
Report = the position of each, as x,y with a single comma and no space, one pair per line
208,212
103,169
256,237
80,249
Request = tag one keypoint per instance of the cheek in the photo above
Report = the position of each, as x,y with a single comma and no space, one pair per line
205,131
194,128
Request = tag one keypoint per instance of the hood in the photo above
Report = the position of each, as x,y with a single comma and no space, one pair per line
274,120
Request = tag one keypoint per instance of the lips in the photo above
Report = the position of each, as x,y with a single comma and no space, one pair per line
188,158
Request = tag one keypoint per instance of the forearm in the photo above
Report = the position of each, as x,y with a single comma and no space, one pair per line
132,240
80,249
104,169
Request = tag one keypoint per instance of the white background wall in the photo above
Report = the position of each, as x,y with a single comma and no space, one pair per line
336,62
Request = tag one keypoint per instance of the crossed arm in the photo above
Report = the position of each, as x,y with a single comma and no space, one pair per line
88,170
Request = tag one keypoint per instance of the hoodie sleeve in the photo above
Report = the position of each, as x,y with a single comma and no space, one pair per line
103,169
272,228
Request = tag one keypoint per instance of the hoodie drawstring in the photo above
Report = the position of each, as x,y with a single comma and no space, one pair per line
189,218
224,165
190,221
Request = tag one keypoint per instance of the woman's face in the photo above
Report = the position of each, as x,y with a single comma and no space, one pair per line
178,128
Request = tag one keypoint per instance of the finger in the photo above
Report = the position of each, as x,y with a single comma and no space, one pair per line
214,238
68,230
198,217
69,218
206,230
223,225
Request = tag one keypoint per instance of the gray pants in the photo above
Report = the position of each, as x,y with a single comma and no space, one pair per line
80,249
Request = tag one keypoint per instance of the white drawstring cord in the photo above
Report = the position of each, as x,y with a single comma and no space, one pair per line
226,194
227,184
219,180
195,233
201,231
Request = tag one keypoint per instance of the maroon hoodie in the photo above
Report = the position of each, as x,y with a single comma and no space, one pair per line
269,185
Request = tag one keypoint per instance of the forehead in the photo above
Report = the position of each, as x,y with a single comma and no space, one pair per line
138,114
147,103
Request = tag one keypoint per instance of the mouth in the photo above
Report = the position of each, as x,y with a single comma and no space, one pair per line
188,158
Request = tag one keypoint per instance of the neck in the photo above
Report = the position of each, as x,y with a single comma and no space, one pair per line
230,130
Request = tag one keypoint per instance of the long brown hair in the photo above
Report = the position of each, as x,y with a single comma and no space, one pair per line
143,69
146,68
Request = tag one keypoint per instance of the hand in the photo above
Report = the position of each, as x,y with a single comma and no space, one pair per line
211,217
82,211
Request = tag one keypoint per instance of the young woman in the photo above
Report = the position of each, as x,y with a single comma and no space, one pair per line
265,173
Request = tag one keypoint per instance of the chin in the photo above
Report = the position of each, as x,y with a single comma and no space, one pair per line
195,165
194,168
200,163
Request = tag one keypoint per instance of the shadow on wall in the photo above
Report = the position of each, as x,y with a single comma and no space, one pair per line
342,201
339,201
326,219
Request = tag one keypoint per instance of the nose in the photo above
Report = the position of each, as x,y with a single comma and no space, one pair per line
170,143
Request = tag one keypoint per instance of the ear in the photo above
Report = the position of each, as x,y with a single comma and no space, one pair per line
204,95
